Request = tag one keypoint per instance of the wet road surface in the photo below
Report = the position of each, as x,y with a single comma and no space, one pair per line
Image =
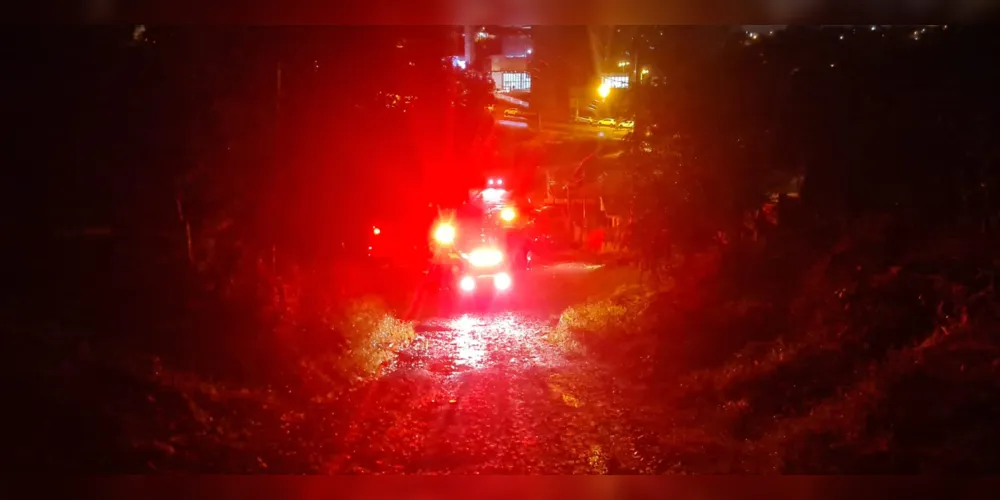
483,391
480,390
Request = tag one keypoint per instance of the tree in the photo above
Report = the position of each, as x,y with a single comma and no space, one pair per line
881,124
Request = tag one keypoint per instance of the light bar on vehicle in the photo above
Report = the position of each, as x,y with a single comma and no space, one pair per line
493,195
485,257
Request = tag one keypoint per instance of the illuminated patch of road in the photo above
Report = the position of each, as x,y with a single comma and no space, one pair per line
479,341
469,349
573,267
484,393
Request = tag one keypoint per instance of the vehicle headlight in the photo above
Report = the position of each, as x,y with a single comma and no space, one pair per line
502,281
467,284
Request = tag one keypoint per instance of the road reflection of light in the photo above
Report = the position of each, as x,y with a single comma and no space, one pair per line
509,326
470,351
475,336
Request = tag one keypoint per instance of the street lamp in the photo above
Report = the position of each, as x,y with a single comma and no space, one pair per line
603,90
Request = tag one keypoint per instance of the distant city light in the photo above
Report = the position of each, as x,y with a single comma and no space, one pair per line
512,100
619,81
512,124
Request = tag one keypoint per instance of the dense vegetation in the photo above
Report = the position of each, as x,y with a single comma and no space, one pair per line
848,329
209,193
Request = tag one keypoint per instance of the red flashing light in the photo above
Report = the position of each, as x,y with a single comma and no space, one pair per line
445,234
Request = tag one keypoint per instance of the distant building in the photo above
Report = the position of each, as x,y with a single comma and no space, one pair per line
510,74
509,68
617,80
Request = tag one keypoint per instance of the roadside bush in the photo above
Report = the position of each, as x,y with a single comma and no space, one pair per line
596,324
664,325
930,407
367,337
238,376
897,374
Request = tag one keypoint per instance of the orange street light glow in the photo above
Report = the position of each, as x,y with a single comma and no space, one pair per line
508,214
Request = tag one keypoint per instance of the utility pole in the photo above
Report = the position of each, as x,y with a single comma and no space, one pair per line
276,144
548,186
636,71
470,46
277,93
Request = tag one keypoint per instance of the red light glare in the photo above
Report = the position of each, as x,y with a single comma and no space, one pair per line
508,214
445,234
376,231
